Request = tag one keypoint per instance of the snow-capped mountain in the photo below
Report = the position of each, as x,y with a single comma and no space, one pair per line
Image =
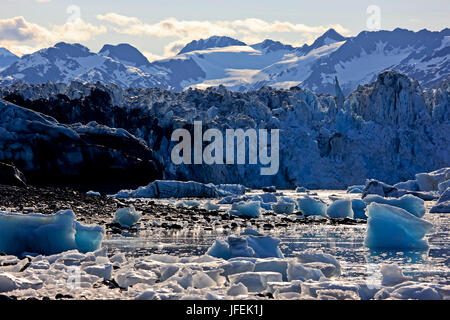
215,61
212,42
67,62
6,58
126,54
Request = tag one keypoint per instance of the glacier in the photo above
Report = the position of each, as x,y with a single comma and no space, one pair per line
364,131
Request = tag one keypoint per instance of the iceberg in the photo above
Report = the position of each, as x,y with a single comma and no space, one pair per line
312,206
443,204
340,209
230,189
246,246
171,189
126,217
283,207
359,209
255,281
355,189
247,209
46,234
430,181
391,227
408,185
410,203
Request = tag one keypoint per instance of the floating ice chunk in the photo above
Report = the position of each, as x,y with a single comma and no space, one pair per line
187,203
126,217
220,249
250,232
201,280
313,288
46,234
413,291
359,209
88,237
128,278
430,181
211,206
336,294
312,206
268,197
171,189
272,189
301,189
9,282
93,193
297,271
355,189
411,185
248,246
230,189
340,209
237,266
443,207
443,204
283,207
255,281
392,275
443,186
283,287
329,270
247,209
102,271
265,247
312,255
273,265
408,202
393,227
237,290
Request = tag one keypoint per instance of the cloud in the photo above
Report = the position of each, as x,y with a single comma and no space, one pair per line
187,30
43,1
20,36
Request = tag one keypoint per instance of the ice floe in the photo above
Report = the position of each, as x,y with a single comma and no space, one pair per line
396,228
46,234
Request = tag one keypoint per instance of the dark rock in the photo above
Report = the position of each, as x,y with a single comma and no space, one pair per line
271,189
10,175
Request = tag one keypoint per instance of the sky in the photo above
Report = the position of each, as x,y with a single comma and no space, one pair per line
160,28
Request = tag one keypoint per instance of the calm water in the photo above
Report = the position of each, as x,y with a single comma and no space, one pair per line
345,242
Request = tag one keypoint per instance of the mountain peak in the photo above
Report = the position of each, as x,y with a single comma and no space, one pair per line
271,45
125,53
329,37
212,42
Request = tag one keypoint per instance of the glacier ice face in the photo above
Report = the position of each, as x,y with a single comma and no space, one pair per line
310,206
340,209
410,203
46,234
126,217
376,123
391,227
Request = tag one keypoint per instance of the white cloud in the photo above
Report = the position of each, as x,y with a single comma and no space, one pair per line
21,36
250,30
